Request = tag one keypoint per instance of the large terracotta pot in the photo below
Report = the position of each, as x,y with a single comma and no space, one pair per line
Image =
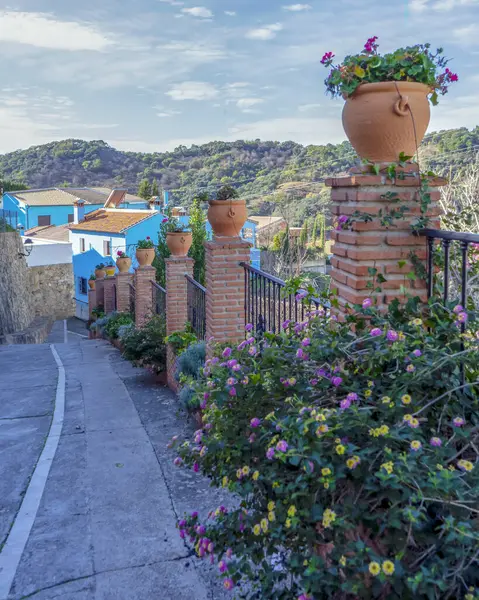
145,256
123,263
227,217
110,271
100,273
91,283
179,243
382,120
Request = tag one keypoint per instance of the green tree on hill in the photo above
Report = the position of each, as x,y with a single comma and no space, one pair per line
144,189
154,188
198,229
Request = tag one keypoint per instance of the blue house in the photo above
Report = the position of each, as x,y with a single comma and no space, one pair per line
54,206
83,266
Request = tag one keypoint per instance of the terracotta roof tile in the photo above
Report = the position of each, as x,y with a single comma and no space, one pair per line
111,220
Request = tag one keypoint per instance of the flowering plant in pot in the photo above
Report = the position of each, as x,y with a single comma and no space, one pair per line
91,281
227,213
145,252
178,239
110,269
387,109
123,261
100,272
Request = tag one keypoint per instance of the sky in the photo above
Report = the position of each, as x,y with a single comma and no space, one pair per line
150,75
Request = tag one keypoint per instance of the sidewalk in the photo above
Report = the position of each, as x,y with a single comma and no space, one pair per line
105,527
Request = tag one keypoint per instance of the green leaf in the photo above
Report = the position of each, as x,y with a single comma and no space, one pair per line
359,71
434,99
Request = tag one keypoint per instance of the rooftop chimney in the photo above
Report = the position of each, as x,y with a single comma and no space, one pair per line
78,211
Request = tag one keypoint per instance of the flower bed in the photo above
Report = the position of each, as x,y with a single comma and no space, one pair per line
354,455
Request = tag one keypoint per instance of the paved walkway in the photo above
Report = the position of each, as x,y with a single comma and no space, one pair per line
105,524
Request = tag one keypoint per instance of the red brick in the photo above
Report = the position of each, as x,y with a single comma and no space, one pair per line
347,237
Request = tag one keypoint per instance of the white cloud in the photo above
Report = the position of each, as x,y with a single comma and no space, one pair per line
297,7
268,32
230,13
439,5
193,90
172,2
44,31
166,113
307,107
467,36
198,11
245,103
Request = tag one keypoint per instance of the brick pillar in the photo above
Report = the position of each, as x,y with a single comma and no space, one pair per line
100,295
123,291
225,304
91,301
371,244
109,294
176,306
143,294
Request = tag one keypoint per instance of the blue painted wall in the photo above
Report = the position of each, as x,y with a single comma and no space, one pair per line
83,266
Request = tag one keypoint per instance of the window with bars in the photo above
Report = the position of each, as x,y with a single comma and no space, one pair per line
106,248
82,285
82,244
44,220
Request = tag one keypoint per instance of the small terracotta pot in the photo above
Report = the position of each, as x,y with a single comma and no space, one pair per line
384,119
179,243
100,273
110,271
145,256
123,264
91,283
227,217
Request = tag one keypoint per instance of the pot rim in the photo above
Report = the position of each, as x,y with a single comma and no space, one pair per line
144,249
237,201
123,258
179,233
388,86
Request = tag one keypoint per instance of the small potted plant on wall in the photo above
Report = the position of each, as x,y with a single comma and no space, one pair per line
227,213
110,269
178,239
100,272
91,281
387,110
123,262
145,252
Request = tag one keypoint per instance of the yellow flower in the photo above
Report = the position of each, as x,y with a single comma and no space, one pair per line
320,417
255,476
342,561
326,471
257,529
337,441
374,568
264,525
439,467
388,467
406,399
275,484
416,322
416,444
239,473
384,430
271,505
451,468
305,563
288,523
340,449
321,429
245,470
465,465
401,336
329,517
225,481
271,516
370,384
353,462
368,393
291,511
388,567
326,485
386,399
407,418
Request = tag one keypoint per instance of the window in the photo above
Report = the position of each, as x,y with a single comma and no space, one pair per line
82,244
44,220
106,248
82,285
70,218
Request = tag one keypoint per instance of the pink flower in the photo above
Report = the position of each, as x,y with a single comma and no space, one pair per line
301,294
182,534
301,354
345,404
457,309
342,221
462,317
327,58
227,352
285,324
231,381
252,350
206,395
392,335
282,446
255,422
336,381
367,302
229,553
236,368
270,453
248,327
228,584
458,422
178,461
242,345
252,438
148,237
306,342
435,441
417,353
196,467
165,220
222,566
231,363
352,396
410,368
232,391
376,332
370,46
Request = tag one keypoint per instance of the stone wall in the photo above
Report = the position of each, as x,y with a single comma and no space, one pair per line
15,313
52,291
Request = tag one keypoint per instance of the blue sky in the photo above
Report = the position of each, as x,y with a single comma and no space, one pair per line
153,74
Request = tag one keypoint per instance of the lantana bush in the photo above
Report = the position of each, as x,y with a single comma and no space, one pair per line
353,450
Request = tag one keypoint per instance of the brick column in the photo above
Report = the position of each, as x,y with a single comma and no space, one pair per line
176,306
377,245
100,295
225,305
109,294
143,294
91,301
123,291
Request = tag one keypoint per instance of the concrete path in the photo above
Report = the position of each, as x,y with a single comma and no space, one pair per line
105,525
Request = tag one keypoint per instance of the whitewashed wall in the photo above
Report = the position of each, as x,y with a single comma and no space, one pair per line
95,241
49,253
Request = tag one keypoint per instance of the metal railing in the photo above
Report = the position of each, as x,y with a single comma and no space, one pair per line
8,220
196,303
132,298
115,305
266,306
159,298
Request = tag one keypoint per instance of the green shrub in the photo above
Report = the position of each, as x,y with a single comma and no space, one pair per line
353,447
146,346
181,340
116,320
189,368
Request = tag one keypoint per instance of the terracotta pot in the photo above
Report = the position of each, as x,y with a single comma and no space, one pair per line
123,264
91,283
145,256
100,273
227,217
381,123
110,271
179,243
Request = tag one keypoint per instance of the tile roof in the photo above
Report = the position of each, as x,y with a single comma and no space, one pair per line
265,221
48,197
89,195
59,233
112,220
128,198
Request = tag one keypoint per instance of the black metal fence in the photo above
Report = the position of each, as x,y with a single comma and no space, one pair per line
8,220
196,302
266,305
132,298
159,298
115,302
